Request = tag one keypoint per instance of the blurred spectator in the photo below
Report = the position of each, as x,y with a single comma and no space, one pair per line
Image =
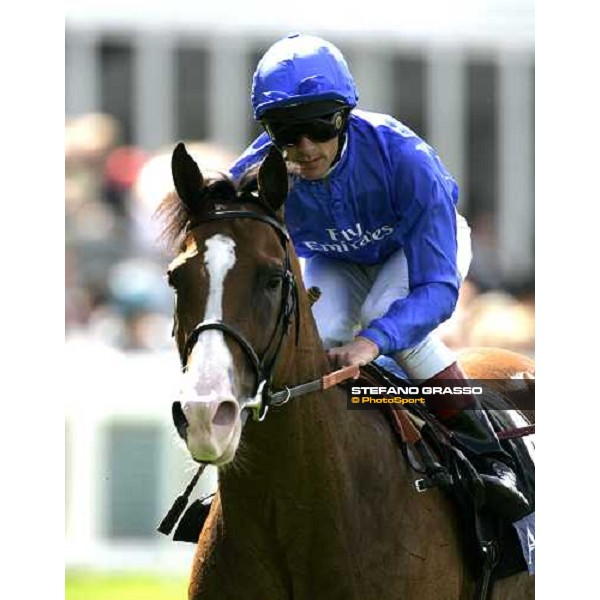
116,293
88,138
121,170
498,319
93,230
78,301
155,182
454,331
493,318
138,284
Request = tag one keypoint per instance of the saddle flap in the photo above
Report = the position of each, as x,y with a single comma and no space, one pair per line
433,443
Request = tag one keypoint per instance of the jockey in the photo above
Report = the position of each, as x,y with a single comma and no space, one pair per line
372,209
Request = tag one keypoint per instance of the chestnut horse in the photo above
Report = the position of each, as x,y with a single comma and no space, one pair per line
315,502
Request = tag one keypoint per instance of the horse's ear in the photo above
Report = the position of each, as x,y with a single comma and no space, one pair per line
186,176
273,179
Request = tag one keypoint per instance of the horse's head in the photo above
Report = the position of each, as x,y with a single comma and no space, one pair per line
235,295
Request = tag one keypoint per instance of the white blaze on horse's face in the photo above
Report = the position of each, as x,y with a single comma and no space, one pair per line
207,398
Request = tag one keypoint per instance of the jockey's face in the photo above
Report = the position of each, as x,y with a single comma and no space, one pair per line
311,160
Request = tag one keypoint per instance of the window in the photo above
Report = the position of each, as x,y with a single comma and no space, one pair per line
134,463
482,139
116,84
192,81
408,92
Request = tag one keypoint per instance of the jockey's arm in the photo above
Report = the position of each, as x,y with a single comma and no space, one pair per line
430,246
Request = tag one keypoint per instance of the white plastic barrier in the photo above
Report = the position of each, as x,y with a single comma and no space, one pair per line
109,395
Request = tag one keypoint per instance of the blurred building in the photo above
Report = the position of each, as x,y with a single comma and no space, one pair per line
461,74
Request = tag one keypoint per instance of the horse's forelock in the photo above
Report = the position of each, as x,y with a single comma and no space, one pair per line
177,215
221,189
174,215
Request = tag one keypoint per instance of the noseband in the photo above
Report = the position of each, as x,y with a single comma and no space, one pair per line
262,367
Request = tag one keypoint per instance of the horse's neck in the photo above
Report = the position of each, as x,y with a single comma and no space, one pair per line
315,485
314,439
304,358
314,478
290,436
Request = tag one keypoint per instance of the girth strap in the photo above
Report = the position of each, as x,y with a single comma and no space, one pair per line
511,434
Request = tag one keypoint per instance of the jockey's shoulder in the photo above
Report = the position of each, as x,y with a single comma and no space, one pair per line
248,162
391,135
382,124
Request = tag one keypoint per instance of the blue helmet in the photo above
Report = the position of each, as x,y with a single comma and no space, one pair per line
301,69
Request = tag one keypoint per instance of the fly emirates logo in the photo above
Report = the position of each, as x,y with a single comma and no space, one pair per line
353,238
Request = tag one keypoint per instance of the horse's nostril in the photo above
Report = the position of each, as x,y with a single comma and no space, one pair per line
179,420
226,413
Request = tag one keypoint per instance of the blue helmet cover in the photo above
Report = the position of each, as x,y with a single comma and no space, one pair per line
299,69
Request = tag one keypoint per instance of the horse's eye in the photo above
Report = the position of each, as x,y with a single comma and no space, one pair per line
274,281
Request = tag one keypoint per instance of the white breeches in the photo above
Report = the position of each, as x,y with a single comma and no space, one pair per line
353,295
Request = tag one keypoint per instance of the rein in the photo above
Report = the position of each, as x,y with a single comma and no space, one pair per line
317,385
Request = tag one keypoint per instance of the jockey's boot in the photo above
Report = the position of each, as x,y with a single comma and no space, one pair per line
476,438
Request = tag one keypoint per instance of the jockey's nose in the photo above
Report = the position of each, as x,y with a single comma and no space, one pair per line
304,143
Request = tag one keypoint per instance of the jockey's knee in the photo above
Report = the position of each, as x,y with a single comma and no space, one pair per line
377,304
372,310
335,330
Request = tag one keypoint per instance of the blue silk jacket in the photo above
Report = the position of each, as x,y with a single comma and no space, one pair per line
389,190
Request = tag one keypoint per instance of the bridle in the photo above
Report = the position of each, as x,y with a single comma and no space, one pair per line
263,367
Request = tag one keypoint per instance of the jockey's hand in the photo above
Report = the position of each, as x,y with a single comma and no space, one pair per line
360,351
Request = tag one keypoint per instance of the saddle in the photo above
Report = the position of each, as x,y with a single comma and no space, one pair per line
494,549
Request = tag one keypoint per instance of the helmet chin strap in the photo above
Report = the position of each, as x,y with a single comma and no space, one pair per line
341,146
340,151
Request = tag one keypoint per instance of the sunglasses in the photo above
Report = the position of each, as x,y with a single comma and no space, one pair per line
319,129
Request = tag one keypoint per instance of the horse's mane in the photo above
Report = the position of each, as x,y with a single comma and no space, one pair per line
178,217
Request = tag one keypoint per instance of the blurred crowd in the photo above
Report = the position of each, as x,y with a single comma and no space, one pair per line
116,293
